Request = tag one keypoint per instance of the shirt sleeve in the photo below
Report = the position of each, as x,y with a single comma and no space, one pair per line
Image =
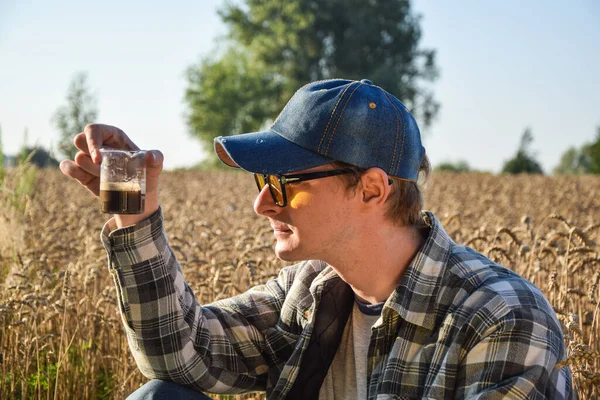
516,357
172,337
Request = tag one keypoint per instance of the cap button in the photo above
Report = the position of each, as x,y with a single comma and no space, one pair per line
368,82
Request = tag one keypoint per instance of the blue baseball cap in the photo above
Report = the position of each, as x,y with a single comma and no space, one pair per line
355,122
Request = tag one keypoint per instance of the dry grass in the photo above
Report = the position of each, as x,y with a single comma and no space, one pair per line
60,332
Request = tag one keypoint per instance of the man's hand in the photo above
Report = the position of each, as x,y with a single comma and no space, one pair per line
85,168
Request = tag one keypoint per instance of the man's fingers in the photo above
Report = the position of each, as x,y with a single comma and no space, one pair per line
95,136
84,161
81,142
85,168
91,182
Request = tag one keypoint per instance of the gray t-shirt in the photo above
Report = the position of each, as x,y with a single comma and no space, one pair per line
347,376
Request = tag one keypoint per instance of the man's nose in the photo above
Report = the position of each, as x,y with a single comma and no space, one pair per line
265,205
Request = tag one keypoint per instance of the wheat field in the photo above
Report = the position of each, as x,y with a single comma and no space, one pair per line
60,331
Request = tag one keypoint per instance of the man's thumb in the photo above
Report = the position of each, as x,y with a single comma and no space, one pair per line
154,159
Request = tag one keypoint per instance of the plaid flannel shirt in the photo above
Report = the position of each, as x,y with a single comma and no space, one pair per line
457,326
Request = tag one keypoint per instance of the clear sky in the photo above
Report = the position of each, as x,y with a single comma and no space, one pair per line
505,66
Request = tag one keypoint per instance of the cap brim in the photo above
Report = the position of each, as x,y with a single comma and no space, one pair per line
266,152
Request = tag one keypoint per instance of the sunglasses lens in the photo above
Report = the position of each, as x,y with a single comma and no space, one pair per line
276,189
260,181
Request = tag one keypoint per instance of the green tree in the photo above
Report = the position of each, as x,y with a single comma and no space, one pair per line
573,162
585,160
524,161
274,47
459,166
225,98
40,157
592,153
80,110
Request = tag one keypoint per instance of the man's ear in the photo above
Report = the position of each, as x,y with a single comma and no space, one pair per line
374,187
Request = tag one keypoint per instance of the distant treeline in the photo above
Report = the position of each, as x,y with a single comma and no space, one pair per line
574,161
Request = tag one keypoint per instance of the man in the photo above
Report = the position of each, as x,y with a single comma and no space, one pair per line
385,304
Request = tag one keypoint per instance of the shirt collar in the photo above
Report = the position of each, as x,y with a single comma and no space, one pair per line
415,298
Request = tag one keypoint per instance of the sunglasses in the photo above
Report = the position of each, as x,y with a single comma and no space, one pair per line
277,182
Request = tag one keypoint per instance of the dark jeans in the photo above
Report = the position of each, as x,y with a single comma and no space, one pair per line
165,390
